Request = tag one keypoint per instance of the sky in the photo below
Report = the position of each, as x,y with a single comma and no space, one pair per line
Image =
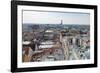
43,17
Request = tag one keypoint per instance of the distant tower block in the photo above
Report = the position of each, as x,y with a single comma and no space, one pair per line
61,22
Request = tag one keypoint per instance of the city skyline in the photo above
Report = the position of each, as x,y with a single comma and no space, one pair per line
44,17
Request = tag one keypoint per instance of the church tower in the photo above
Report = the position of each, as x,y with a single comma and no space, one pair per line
61,22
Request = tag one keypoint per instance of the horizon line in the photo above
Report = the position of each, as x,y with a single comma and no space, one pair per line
54,23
